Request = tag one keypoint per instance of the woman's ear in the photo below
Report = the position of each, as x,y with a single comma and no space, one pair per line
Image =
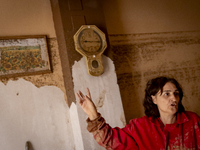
154,99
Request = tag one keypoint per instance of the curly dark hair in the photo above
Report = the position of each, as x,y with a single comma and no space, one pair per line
152,88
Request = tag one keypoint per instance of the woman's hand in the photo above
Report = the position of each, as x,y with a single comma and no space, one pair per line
87,104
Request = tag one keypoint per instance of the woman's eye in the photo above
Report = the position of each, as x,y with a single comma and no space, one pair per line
176,94
166,94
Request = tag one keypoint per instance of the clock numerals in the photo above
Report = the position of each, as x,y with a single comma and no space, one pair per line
97,47
89,34
90,41
90,49
84,46
96,36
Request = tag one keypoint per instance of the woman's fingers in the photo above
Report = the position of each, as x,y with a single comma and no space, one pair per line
88,93
87,105
81,94
82,97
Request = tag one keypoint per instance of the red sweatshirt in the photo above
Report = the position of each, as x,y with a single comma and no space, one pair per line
149,133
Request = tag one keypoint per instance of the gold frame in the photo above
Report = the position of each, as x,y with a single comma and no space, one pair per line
24,55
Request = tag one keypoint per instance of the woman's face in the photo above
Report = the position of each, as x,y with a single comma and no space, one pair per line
167,101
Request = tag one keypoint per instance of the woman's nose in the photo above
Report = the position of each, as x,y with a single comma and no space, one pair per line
175,97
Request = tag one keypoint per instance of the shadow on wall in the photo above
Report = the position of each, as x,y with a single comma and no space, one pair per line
130,97
129,80
113,16
140,57
28,146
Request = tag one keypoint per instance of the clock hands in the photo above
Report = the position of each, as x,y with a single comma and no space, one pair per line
91,41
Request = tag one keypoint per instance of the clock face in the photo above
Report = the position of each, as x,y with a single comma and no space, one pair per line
90,41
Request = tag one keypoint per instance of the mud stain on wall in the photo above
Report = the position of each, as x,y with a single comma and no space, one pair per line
140,57
122,118
100,100
50,79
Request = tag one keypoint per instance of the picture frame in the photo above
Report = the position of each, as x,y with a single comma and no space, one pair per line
24,55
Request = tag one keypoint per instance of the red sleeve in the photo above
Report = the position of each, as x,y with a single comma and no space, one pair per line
111,138
197,131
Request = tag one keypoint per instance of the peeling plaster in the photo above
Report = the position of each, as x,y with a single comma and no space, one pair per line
105,94
33,108
39,115
76,127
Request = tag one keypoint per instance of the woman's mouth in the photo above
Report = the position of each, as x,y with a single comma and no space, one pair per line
174,104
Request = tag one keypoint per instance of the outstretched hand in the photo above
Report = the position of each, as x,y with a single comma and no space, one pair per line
87,104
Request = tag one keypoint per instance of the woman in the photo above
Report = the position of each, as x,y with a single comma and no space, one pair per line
166,125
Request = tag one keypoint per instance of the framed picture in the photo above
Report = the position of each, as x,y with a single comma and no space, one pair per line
23,55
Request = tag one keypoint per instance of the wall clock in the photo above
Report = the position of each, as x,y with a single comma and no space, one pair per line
90,42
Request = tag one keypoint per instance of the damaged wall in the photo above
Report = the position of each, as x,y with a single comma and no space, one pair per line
105,95
39,115
51,79
152,38
33,108
140,57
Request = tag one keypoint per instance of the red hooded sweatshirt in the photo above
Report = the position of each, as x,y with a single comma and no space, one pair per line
149,133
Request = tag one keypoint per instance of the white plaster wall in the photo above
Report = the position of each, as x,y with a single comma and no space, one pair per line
105,94
38,115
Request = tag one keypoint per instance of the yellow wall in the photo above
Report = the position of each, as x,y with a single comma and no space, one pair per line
26,17
148,16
